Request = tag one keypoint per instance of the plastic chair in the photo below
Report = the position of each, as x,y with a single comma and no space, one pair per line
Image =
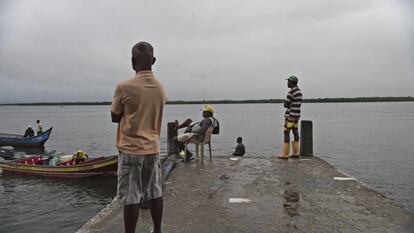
200,145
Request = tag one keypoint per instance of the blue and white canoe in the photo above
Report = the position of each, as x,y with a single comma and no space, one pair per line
21,141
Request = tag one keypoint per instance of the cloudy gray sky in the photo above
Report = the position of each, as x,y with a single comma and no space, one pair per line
76,50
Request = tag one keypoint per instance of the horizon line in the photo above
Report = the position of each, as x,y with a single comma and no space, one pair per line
229,101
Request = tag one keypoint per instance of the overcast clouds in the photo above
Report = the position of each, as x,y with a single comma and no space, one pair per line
76,50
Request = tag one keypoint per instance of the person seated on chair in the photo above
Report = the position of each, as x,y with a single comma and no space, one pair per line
29,132
195,132
240,150
80,156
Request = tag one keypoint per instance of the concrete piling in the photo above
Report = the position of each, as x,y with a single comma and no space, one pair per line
171,133
306,138
168,165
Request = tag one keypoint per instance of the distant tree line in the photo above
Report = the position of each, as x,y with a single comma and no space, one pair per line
260,101
360,99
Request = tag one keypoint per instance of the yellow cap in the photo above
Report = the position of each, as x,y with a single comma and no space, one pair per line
80,152
208,108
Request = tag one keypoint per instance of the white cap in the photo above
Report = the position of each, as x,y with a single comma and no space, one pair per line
30,126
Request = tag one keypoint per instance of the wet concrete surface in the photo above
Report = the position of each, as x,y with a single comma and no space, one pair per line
286,196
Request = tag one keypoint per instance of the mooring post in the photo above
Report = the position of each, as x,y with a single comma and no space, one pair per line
306,138
172,148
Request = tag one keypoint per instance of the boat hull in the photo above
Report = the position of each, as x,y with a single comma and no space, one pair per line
102,167
20,141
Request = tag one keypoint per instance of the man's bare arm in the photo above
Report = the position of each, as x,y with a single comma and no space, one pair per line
286,104
116,118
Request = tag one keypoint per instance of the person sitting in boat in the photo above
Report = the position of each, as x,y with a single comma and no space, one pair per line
29,132
80,156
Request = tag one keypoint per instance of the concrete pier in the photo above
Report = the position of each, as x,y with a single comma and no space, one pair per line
281,196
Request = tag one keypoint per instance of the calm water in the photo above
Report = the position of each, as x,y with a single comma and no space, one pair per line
371,141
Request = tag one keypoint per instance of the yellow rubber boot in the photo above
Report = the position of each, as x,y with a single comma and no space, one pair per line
295,148
285,152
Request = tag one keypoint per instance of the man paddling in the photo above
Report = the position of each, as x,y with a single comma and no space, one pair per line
292,104
137,107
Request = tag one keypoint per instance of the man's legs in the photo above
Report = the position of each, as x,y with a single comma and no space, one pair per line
286,140
129,190
152,184
180,140
179,144
295,134
295,143
131,213
157,206
186,123
287,136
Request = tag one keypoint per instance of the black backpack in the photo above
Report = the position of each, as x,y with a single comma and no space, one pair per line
216,125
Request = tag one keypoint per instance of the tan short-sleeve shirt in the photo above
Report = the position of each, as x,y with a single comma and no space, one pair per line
140,101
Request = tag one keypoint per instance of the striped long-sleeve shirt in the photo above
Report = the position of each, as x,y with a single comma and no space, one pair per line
293,103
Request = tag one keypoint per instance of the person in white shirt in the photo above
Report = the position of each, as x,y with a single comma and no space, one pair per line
39,128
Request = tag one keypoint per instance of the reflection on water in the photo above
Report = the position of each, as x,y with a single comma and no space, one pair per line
51,205
30,151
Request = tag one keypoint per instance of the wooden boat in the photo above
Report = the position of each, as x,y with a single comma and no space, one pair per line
21,141
101,166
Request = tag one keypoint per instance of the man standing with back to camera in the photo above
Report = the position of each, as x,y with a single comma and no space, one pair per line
137,107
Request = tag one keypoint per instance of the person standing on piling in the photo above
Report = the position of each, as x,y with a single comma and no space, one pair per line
292,104
137,107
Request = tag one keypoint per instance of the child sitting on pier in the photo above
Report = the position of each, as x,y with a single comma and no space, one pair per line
240,150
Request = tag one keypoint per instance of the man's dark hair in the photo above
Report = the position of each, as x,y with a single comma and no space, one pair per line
142,56
239,139
37,121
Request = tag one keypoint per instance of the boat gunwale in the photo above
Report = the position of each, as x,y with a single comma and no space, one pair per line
19,136
36,141
106,161
58,174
